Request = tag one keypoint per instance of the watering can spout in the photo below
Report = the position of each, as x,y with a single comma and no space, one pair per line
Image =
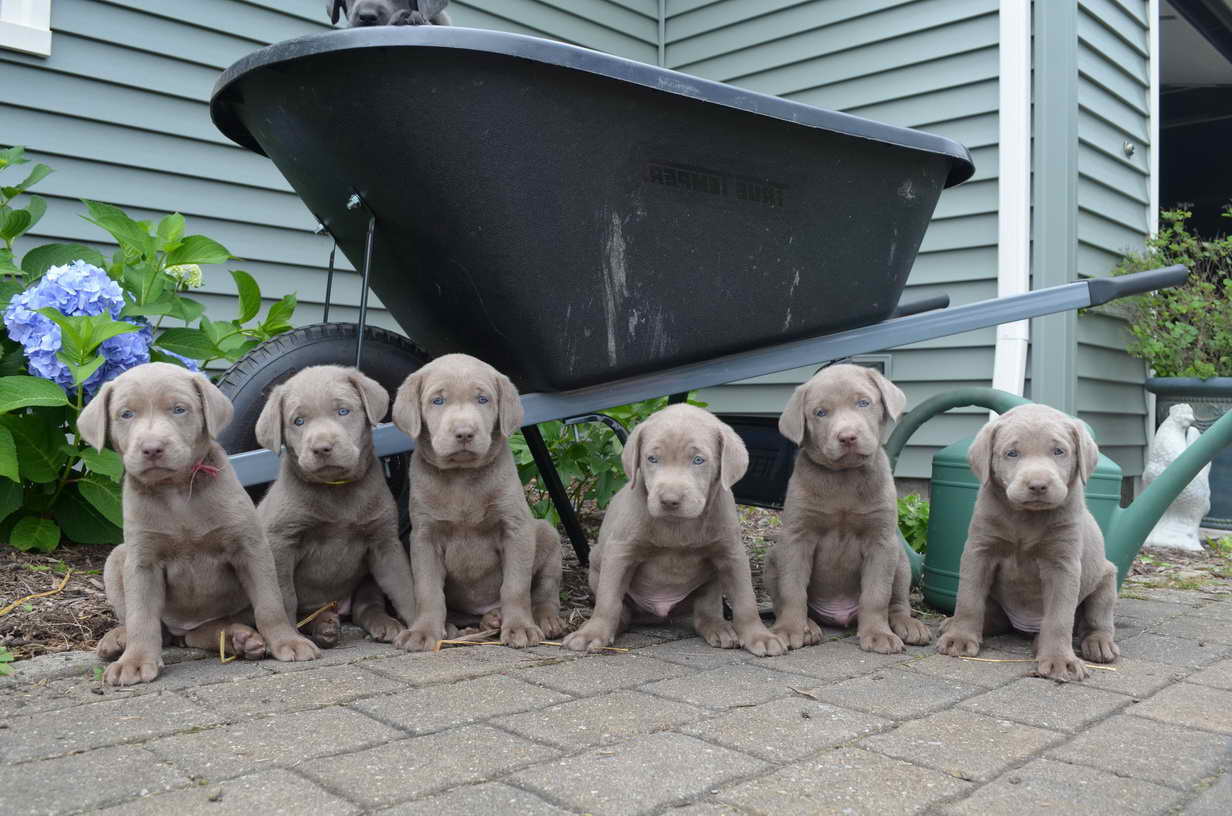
1131,525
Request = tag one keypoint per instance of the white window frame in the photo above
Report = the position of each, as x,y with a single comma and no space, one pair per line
25,26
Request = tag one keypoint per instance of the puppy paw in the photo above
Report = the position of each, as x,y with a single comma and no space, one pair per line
132,669
1061,667
520,635
957,644
911,630
881,642
247,643
551,623
419,638
1099,647
720,634
326,630
492,620
797,637
763,643
590,638
295,648
112,644
381,627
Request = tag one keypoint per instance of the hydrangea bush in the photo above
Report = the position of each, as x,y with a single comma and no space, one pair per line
73,320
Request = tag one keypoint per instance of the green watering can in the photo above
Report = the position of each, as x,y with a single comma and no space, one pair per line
954,489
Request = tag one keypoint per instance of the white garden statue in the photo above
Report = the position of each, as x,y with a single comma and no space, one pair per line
1178,527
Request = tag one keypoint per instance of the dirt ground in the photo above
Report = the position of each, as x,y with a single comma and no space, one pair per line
78,615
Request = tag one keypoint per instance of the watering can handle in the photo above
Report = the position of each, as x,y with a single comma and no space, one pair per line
1102,290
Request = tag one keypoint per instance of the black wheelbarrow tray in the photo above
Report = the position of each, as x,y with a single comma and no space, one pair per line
602,230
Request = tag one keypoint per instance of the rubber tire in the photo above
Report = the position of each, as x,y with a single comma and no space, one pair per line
388,358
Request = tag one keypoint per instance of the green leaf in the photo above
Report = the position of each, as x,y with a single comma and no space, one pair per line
103,494
23,391
11,496
250,294
14,223
191,343
33,533
82,371
7,267
81,335
214,331
197,249
37,207
82,522
39,440
9,288
8,455
170,230
13,363
12,155
278,319
188,309
40,172
164,305
126,231
37,261
106,462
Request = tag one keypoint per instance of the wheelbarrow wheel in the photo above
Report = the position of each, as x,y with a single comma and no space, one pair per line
388,359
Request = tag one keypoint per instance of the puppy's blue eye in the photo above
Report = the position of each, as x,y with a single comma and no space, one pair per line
822,412
127,414
483,400
863,403
438,400
179,409
1013,454
297,421
343,411
1058,452
652,459
698,460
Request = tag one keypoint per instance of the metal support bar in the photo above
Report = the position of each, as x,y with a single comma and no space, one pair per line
556,489
329,283
622,433
363,292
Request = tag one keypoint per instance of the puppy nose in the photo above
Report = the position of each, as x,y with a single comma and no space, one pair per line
323,448
367,18
1037,486
464,435
847,437
152,450
670,500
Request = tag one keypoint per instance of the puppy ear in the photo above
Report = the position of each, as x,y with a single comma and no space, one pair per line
1085,450
373,395
508,405
792,422
215,406
631,456
893,400
335,8
407,416
94,421
269,424
431,8
734,458
979,455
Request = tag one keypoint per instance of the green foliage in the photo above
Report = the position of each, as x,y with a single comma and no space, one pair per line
587,456
1185,331
6,658
913,521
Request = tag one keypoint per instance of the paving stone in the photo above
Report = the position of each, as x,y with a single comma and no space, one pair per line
450,665
353,648
273,791
602,781
1182,597
92,726
1044,703
1144,749
430,709
704,809
896,693
1137,678
1218,675
1187,704
53,667
973,672
1196,626
189,674
30,698
1150,611
1221,610
696,653
79,781
1214,800
294,690
490,797
1126,628
414,767
838,659
727,686
600,720
1016,643
597,673
787,729
845,781
962,744
1048,786
254,744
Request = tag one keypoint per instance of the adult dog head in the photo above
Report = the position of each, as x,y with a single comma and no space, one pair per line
679,457
361,13
458,409
1034,456
324,415
840,416
159,417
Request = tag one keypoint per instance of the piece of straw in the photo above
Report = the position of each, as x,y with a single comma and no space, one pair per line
20,601
1026,660
312,617
222,648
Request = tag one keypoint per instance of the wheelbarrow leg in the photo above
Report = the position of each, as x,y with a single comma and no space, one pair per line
676,399
556,489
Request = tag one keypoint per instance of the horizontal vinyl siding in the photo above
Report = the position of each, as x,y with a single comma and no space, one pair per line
627,28
929,64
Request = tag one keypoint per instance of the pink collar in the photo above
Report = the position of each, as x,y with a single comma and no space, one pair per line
202,467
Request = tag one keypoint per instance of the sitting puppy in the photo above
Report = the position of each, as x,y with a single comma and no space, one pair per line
1034,558
330,518
671,536
194,559
475,548
838,556
390,12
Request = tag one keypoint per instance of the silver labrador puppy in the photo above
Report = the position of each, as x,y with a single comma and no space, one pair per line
475,548
671,537
195,560
364,13
1034,558
838,557
330,517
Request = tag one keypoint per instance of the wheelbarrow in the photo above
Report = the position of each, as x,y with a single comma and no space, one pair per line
601,230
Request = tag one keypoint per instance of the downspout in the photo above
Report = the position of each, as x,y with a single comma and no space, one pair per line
1152,219
663,33
1014,189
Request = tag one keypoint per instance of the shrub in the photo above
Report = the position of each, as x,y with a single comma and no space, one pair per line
913,521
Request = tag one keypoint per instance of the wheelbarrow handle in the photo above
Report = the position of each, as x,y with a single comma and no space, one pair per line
1103,290
927,304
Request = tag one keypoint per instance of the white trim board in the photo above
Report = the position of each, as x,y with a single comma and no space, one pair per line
25,26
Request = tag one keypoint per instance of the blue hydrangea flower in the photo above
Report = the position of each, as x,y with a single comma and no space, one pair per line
78,288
